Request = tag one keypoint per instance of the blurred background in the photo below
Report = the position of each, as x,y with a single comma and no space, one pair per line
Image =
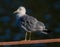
47,11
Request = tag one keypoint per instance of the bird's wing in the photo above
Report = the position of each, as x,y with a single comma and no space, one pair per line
29,22
35,24
32,24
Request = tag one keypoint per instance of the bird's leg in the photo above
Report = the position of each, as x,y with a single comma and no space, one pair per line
30,35
26,36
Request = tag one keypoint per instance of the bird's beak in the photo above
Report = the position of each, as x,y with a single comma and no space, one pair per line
15,12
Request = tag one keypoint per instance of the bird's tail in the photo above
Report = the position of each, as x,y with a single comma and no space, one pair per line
44,32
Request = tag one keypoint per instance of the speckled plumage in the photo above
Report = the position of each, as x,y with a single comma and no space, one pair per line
29,23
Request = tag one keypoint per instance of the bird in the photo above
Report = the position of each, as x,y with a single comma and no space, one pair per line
29,23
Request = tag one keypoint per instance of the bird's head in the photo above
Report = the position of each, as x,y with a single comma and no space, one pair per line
21,10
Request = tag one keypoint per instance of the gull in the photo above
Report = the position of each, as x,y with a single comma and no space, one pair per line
29,23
